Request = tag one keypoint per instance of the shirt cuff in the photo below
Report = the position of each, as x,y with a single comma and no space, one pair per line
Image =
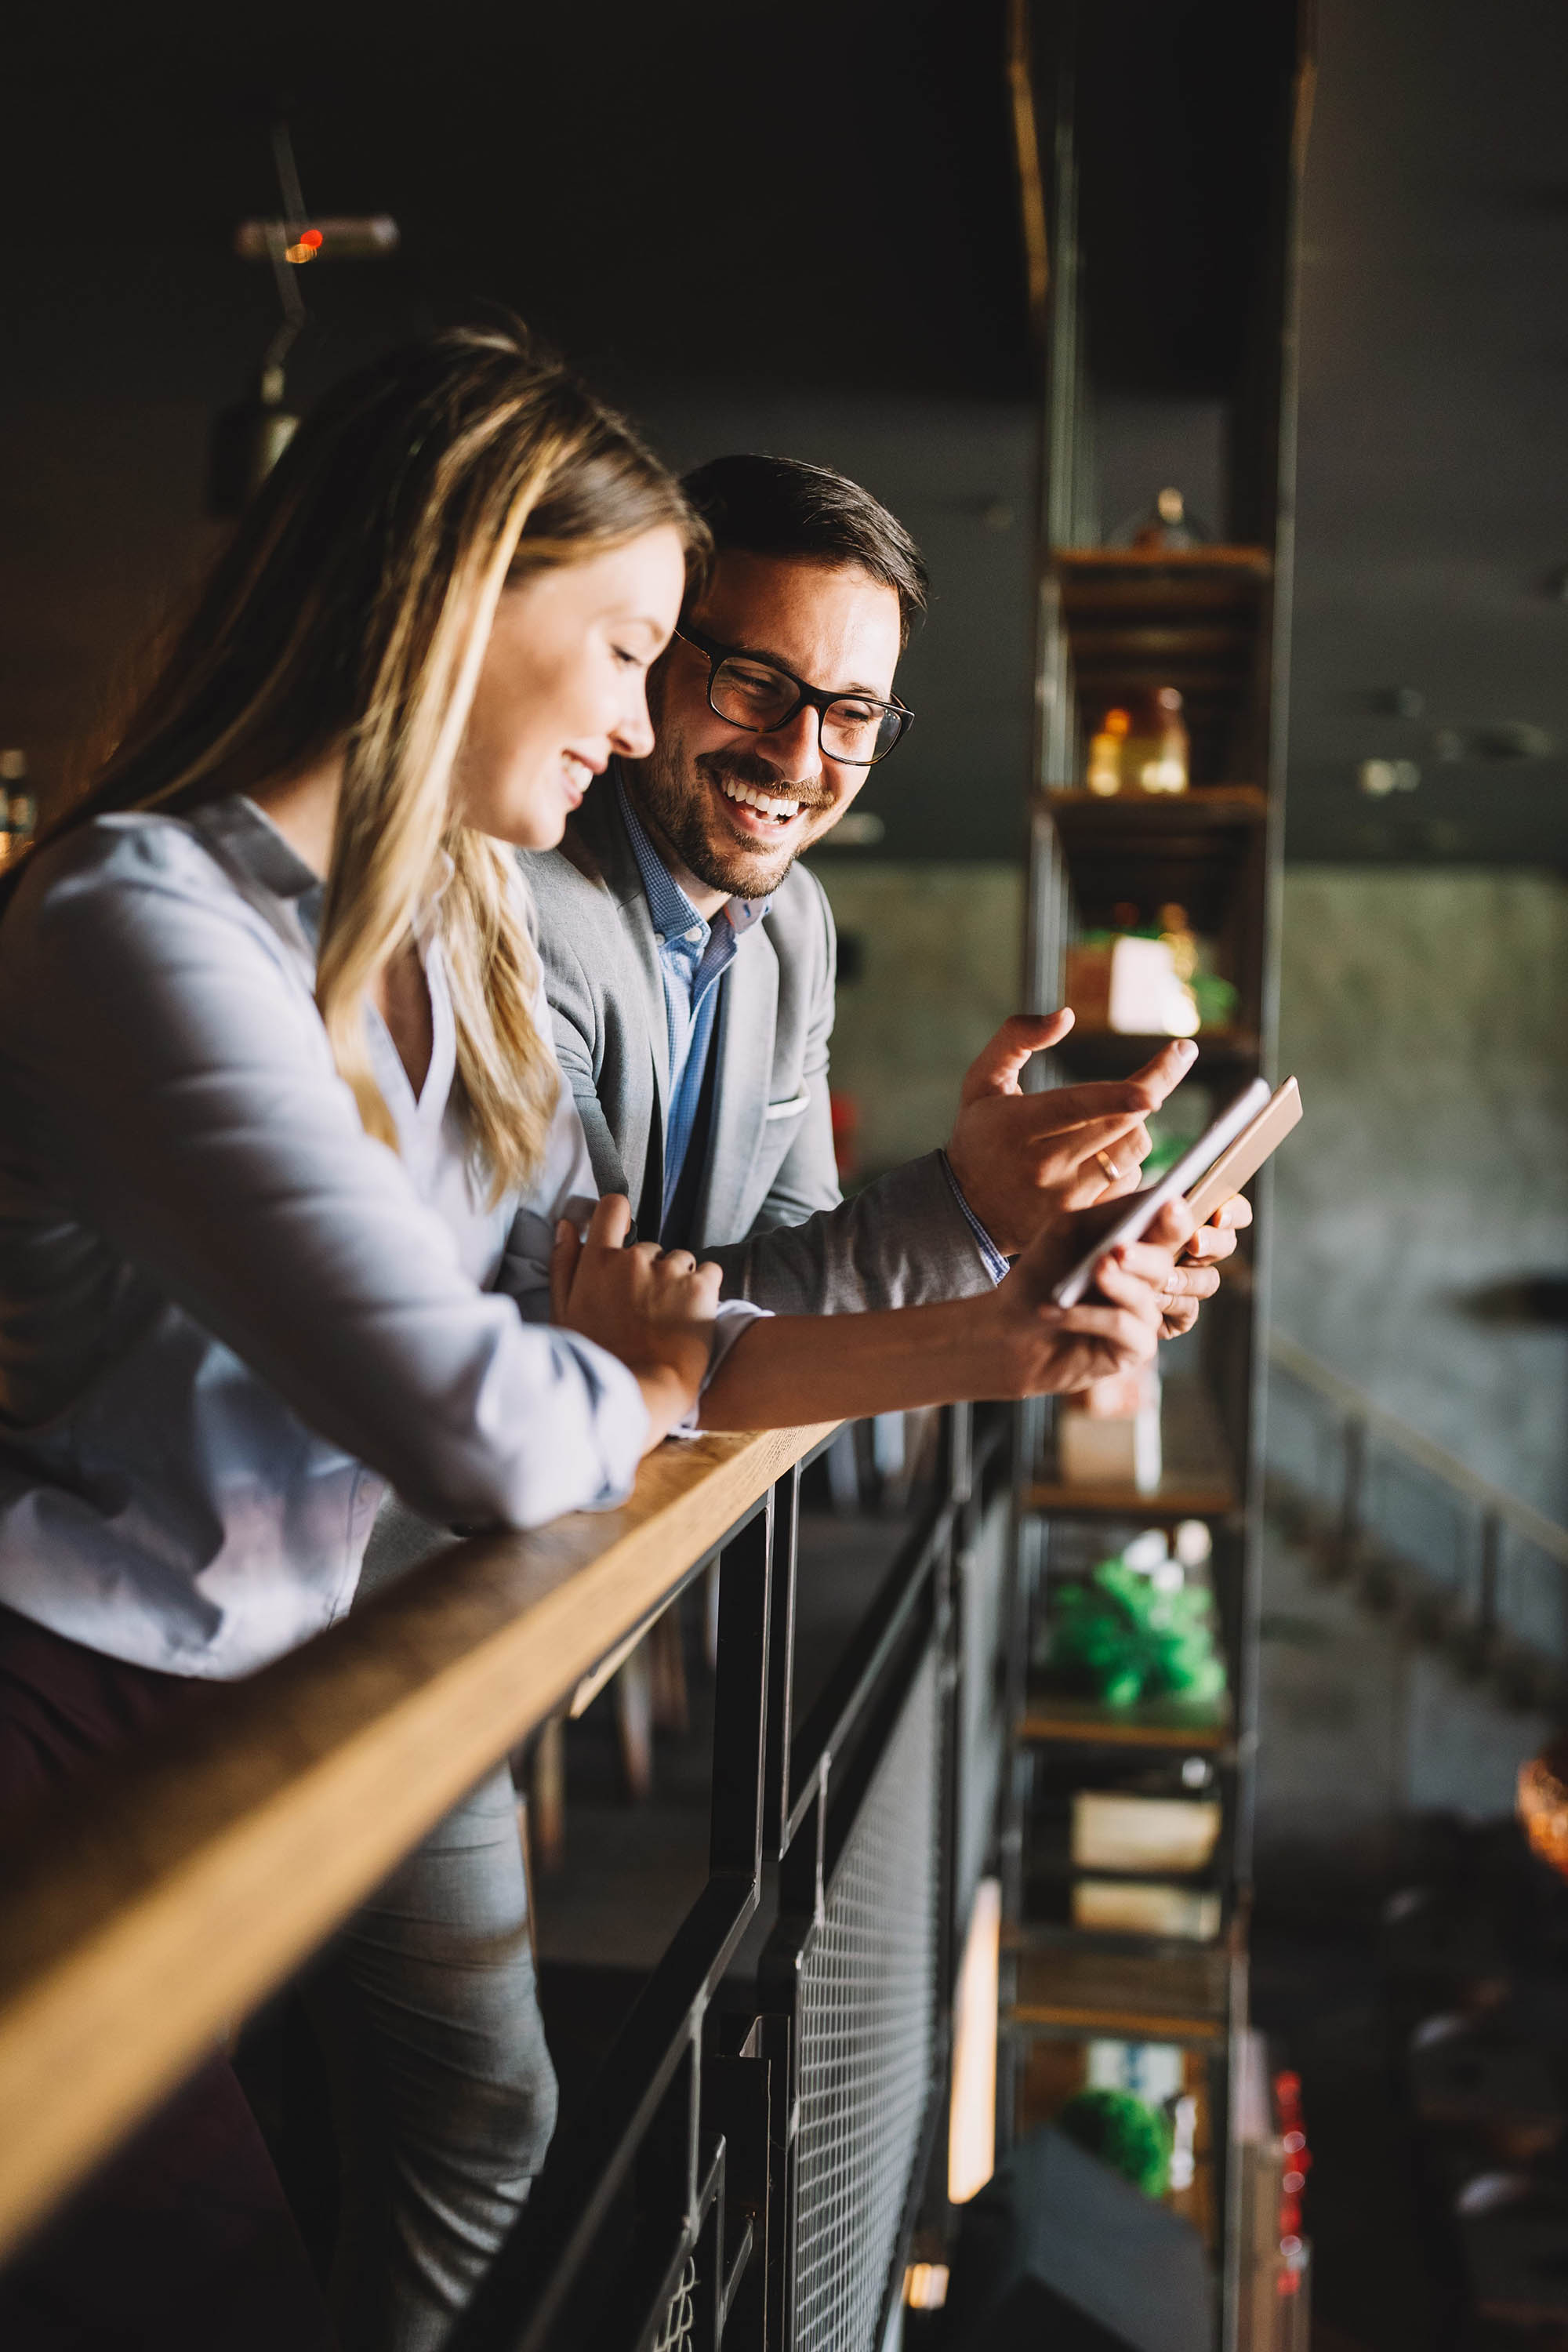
995,1264
734,1316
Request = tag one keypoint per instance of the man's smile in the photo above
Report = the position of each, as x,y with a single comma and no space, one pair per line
766,813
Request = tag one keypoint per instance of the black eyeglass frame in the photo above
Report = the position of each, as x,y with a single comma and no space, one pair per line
811,697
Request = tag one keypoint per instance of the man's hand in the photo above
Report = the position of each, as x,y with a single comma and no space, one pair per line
1020,1160
655,1310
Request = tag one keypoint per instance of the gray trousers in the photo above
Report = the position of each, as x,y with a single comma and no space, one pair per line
443,2090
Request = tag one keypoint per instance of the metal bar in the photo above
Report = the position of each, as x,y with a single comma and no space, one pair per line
523,2292
776,1784
1352,1485
740,1698
1489,1587
858,1672
529,2287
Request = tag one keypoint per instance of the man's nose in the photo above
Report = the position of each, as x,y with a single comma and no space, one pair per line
795,747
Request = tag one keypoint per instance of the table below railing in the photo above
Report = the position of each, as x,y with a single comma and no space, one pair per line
167,1894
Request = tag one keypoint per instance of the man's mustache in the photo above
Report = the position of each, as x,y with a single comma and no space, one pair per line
745,768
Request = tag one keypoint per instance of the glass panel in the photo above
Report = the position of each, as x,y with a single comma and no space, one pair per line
751,695
852,730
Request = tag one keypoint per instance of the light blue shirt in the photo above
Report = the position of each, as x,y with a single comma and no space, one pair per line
229,1320
693,957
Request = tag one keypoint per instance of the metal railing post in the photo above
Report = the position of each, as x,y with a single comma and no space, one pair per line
1351,1490
1489,1586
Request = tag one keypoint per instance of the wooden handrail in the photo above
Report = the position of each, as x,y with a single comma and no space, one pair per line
152,1905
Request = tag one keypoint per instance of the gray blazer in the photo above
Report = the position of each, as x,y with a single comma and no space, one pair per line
769,1207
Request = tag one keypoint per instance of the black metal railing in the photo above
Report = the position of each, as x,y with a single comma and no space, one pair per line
1406,1522
747,2167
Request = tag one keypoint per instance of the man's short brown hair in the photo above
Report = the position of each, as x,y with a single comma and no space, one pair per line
776,506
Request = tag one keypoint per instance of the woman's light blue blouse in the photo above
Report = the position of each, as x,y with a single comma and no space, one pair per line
229,1320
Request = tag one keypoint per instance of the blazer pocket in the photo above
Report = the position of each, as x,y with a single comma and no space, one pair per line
791,1110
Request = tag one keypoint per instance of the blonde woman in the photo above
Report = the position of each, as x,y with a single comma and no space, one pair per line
284,1162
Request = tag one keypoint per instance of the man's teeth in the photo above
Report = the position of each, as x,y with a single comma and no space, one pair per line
762,802
579,774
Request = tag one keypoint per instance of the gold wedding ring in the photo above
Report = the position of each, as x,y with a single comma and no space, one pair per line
1109,1166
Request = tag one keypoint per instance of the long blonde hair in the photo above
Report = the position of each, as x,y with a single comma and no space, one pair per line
352,611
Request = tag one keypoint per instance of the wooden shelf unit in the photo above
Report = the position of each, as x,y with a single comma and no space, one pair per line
1194,618
1115,624
1205,850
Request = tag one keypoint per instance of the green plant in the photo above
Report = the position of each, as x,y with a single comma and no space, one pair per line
1124,2132
1121,1637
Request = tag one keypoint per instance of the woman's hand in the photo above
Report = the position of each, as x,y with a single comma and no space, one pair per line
654,1310
1195,1276
1061,1348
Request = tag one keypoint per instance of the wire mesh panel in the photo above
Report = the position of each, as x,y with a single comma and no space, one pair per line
681,2320
867,1998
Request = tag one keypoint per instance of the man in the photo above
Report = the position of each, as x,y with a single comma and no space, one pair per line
689,959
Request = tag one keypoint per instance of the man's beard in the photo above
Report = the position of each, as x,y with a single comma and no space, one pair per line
675,793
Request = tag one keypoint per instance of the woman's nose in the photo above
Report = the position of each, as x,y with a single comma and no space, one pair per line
633,734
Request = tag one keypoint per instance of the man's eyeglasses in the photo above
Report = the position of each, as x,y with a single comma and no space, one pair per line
761,697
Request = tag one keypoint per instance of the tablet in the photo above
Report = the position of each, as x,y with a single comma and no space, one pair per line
1247,1155
1143,1207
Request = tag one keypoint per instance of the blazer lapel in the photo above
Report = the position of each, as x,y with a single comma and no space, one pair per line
744,1045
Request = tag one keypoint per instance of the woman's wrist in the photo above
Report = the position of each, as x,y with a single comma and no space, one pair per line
668,1397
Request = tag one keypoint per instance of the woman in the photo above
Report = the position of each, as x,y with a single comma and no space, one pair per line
283,1153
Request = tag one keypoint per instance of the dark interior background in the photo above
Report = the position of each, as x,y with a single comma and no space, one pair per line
796,227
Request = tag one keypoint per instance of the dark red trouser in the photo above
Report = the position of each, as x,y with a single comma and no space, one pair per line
181,2241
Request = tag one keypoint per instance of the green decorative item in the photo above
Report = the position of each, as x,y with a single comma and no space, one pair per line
1123,1637
1124,2132
1216,1000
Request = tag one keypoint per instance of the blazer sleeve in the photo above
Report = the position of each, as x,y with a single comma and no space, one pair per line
176,1071
903,1241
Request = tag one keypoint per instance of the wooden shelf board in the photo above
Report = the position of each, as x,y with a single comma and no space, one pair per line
1164,1996
1198,1483
1219,808
1197,848
1116,1053
1169,1501
1053,1715
1215,558
1120,2024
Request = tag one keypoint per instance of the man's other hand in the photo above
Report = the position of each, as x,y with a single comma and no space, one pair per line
1021,1160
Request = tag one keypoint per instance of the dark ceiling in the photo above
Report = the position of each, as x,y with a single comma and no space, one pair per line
787,195
1433,539
813,203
